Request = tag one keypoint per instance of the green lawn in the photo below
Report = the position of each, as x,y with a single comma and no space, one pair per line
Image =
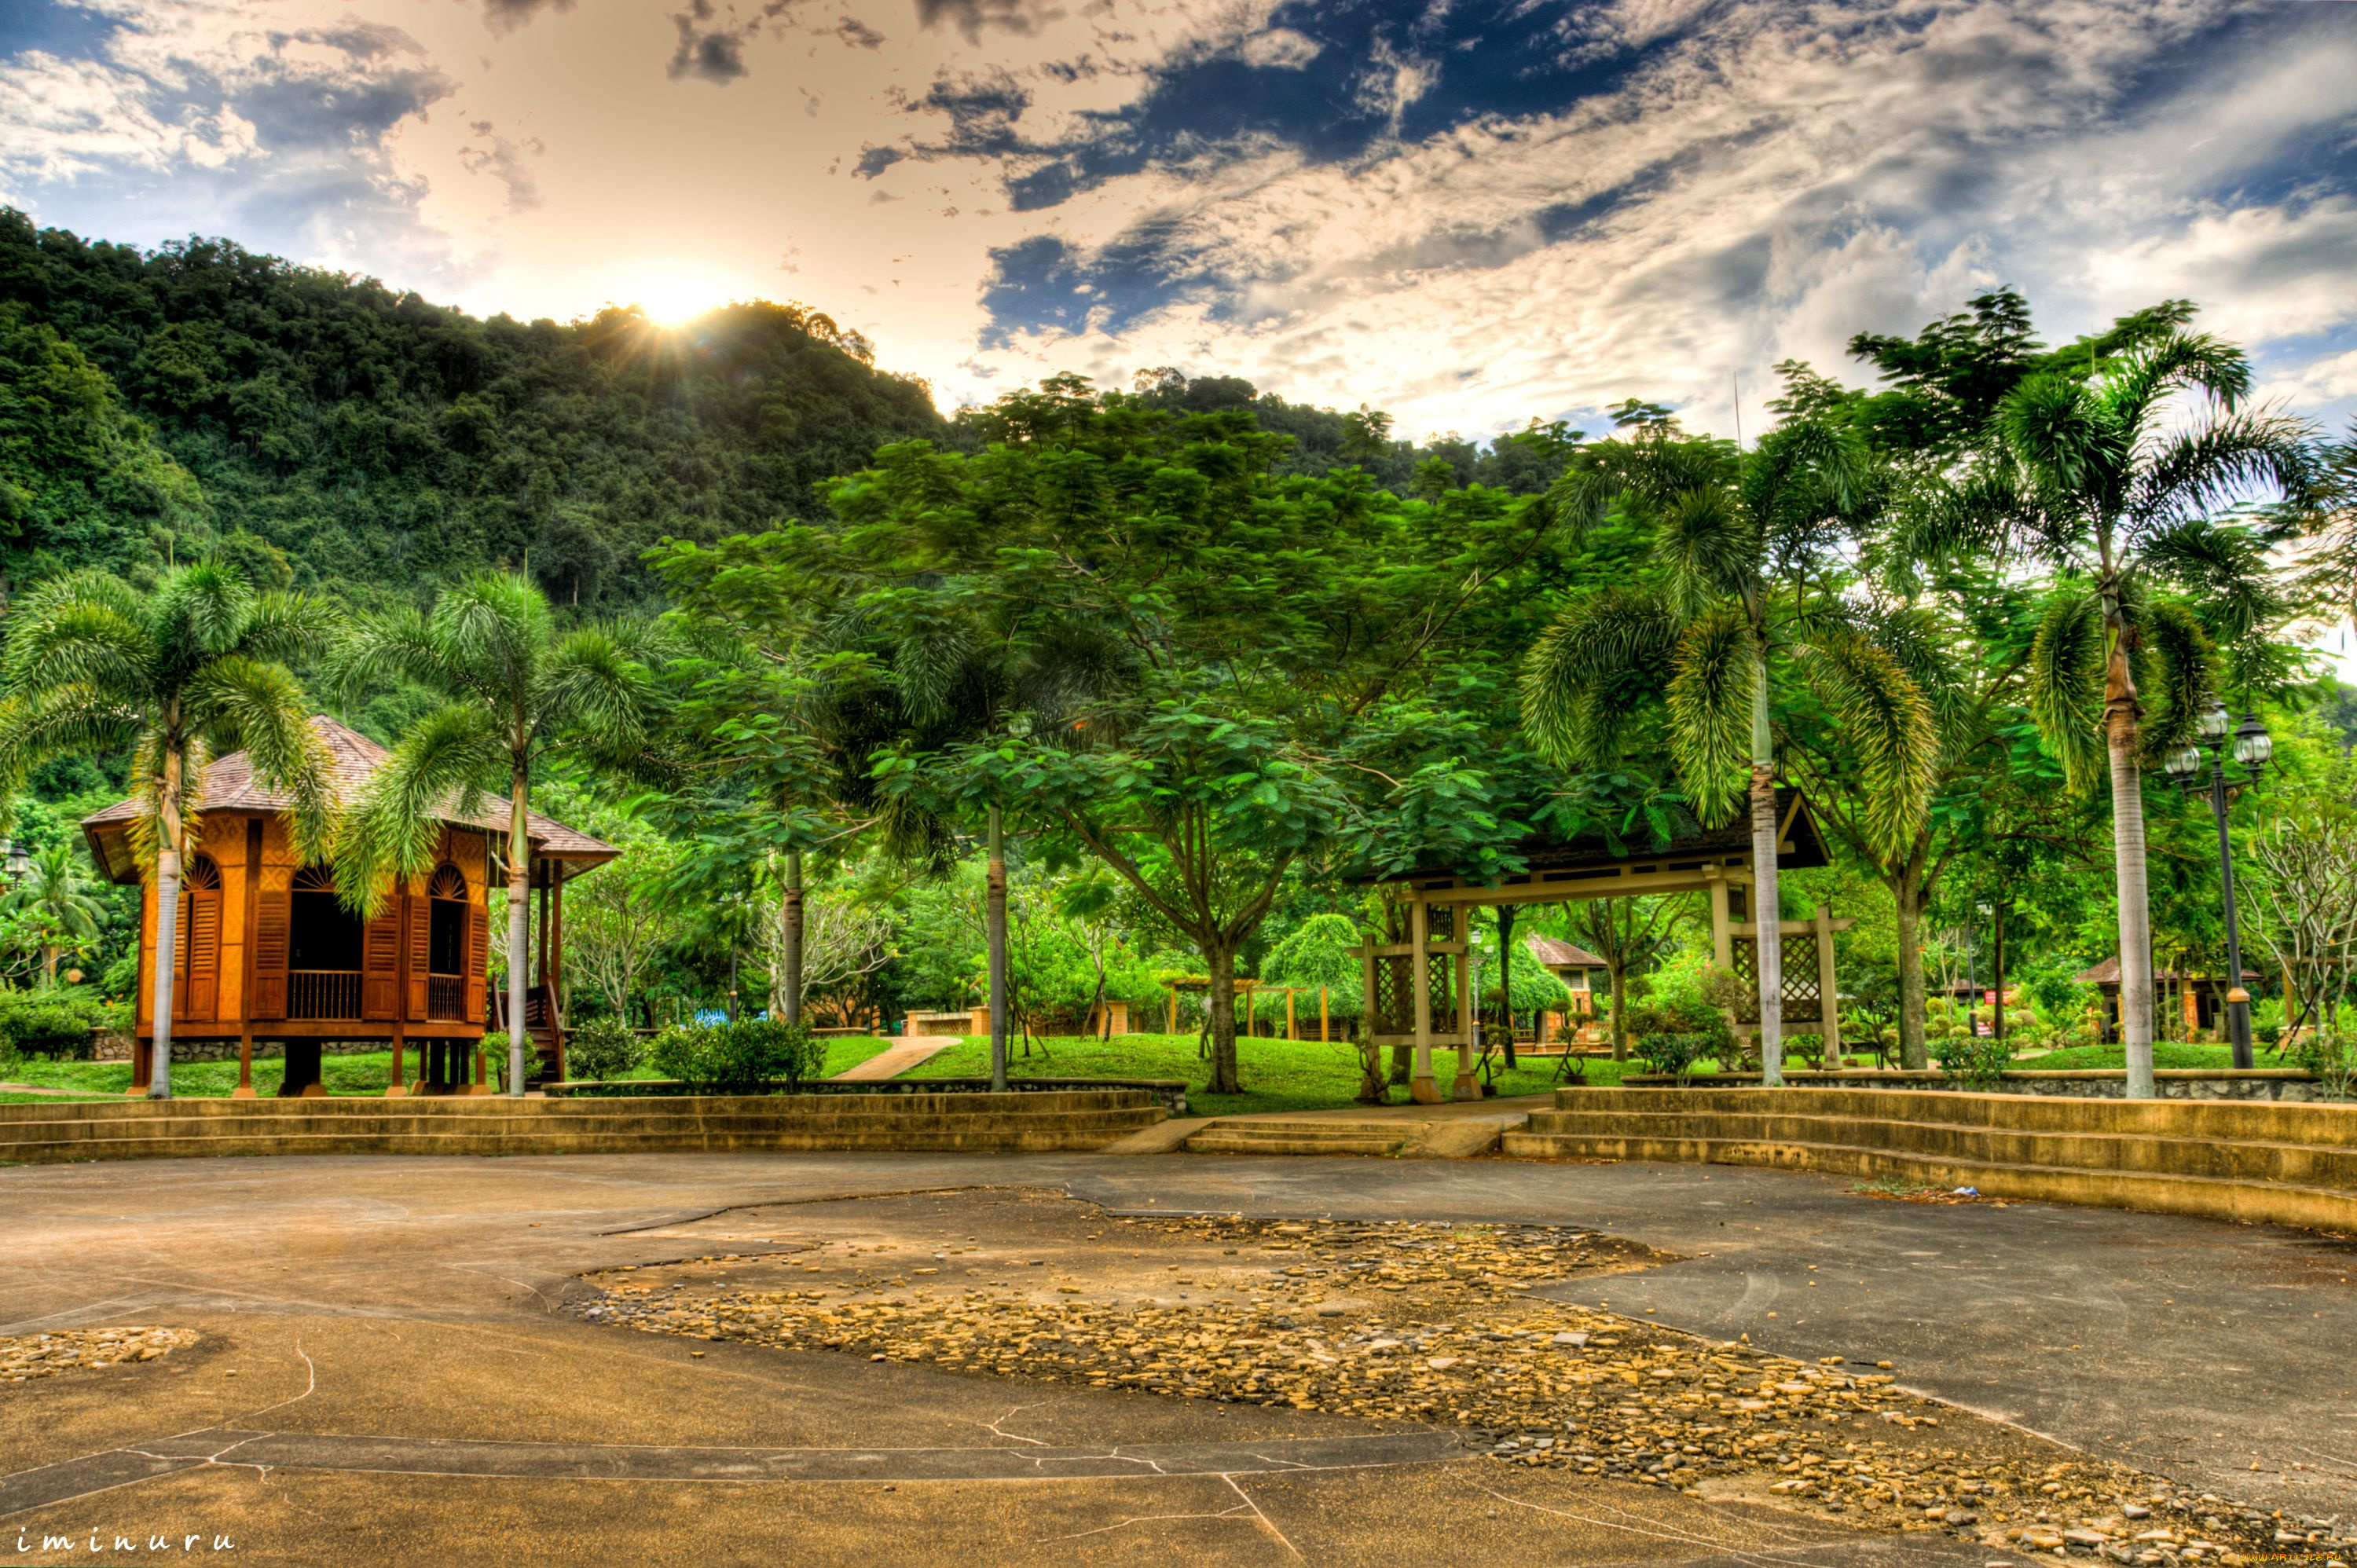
1278,1075
366,1072
2082,1058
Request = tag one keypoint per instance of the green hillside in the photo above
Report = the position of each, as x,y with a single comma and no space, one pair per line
324,430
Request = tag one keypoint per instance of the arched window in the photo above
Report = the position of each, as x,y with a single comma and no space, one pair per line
324,944
196,957
446,948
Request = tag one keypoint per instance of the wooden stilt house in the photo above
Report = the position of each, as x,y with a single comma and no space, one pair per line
267,950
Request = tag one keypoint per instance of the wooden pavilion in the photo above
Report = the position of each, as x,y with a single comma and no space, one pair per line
1417,990
265,949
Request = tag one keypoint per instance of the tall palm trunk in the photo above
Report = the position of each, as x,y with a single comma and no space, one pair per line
168,921
1766,912
2120,719
519,922
168,925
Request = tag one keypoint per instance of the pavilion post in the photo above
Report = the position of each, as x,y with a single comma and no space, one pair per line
1421,1086
1290,1032
1829,999
244,1090
1174,1007
1323,1034
1467,1086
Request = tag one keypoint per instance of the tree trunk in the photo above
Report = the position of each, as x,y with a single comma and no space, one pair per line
1996,969
791,1001
1907,893
168,922
2120,717
1619,970
1220,1005
1765,914
995,918
49,966
519,922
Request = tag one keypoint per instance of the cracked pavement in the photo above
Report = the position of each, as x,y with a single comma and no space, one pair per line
387,1368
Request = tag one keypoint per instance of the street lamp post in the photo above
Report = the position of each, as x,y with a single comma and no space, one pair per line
2251,747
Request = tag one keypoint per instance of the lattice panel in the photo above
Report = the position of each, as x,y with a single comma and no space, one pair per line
1743,956
1441,922
1443,987
1804,999
1394,995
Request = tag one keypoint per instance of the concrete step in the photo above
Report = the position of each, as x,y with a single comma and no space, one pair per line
1305,1135
2250,1201
2225,1159
2313,1124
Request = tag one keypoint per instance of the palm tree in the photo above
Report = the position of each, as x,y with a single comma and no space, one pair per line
2104,484
56,895
1740,542
515,691
177,675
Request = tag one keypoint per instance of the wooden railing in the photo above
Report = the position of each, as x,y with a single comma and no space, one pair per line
323,994
446,997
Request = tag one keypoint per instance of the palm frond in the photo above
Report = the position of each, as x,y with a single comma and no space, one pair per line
1587,670
2175,677
2222,461
382,650
589,683
201,611
450,760
2066,686
2056,427
2227,566
85,629
1889,726
2135,384
497,627
1710,699
260,706
283,626
1709,545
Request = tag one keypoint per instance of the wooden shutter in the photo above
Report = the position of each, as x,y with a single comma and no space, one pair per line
421,953
381,964
273,919
478,955
200,950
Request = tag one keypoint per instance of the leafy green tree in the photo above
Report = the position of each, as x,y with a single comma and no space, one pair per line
1208,673
56,898
514,691
176,676
1744,557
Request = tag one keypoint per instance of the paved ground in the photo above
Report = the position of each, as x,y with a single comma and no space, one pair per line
383,1374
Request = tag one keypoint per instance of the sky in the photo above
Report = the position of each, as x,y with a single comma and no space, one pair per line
1470,213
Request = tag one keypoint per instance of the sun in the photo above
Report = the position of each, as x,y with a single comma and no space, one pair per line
676,289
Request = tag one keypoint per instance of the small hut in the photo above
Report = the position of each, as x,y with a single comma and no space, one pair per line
2199,1000
267,949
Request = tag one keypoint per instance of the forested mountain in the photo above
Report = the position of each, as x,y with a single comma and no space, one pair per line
326,429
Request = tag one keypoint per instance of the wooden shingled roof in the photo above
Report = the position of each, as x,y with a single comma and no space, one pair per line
1553,954
229,785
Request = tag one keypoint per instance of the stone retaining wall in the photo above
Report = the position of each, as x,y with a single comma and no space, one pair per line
1170,1093
2288,1084
117,1048
63,1129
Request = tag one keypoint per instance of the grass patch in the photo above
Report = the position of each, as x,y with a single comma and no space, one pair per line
1278,1075
2165,1053
364,1073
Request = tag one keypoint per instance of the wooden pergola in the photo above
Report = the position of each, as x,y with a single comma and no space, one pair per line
1418,992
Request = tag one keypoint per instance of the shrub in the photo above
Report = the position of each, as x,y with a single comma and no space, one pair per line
1672,1035
56,1022
2328,1054
746,1056
1971,1060
602,1047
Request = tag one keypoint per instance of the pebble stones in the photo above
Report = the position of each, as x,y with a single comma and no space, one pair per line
28,1356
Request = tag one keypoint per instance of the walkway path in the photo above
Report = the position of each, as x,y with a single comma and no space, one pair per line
893,1060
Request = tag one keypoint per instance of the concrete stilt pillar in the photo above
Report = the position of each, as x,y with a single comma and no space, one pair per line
1421,1086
